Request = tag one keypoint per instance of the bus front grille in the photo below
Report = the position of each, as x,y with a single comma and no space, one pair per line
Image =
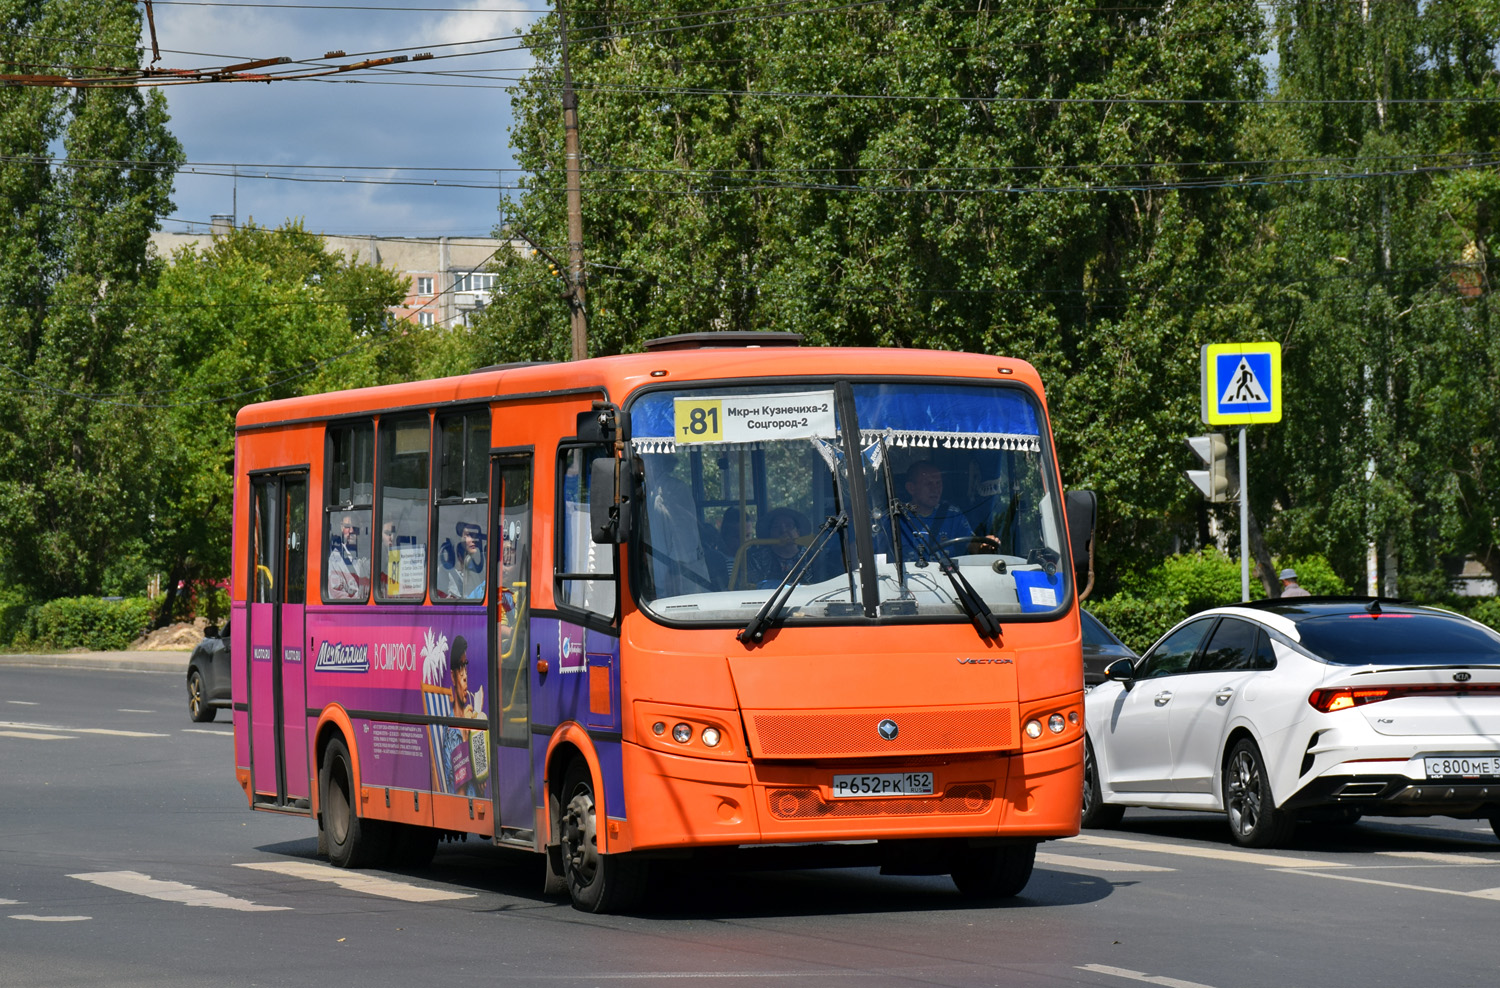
930,731
809,804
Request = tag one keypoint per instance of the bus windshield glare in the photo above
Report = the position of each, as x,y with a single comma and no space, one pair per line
748,493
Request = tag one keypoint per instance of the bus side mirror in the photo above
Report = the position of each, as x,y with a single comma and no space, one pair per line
611,500
604,423
1082,506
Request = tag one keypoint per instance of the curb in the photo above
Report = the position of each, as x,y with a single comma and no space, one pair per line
173,661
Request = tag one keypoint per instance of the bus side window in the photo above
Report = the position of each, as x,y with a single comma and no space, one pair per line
401,556
349,455
585,570
463,544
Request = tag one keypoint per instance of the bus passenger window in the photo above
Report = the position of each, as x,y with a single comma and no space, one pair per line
585,570
463,544
348,502
402,554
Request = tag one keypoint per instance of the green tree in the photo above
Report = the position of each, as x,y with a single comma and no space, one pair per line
74,458
254,316
1377,288
851,175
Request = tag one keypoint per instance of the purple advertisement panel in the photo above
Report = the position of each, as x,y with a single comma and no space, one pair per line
582,685
427,662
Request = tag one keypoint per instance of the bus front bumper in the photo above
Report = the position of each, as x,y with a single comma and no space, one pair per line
681,802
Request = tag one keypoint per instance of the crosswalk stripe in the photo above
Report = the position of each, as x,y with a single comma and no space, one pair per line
1440,857
356,881
79,730
1150,979
1479,894
1216,854
138,884
1093,864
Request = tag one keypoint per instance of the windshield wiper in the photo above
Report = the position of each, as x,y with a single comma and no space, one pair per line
979,612
895,511
771,609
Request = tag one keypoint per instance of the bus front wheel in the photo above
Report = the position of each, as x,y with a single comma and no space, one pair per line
597,882
353,841
994,872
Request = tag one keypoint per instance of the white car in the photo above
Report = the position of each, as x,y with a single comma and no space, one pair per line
1280,709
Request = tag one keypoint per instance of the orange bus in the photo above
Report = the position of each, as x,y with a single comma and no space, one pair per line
729,592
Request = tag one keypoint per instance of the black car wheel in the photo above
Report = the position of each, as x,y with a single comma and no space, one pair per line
198,706
1254,819
1097,814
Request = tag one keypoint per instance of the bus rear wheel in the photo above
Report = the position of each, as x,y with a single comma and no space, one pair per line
353,841
995,872
597,882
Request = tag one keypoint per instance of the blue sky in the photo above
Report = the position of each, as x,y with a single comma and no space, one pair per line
354,128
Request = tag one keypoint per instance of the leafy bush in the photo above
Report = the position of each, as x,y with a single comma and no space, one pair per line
1199,580
1137,621
1315,575
85,622
1487,611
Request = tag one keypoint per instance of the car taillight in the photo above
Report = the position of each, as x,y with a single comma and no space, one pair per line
1342,699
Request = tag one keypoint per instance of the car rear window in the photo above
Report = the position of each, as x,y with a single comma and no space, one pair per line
1395,639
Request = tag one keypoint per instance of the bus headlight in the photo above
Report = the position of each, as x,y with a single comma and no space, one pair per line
1033,728
711,736
1056,724
682,734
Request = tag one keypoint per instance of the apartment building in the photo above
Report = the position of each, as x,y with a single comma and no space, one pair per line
448,280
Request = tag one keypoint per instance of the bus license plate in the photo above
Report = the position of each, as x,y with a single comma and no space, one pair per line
883,784
1463,767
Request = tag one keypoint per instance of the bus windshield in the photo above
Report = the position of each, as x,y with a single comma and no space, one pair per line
749,494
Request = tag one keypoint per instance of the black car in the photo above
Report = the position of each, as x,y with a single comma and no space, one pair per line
1100,648
208,675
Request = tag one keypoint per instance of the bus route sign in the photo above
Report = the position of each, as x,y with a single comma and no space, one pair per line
1241,383
751,418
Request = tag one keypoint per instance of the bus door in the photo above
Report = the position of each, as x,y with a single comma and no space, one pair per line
510,636
278,595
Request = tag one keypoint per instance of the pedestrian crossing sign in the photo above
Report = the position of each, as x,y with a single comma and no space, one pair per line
1241,383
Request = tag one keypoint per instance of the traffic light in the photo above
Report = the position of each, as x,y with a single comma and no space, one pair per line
1218,482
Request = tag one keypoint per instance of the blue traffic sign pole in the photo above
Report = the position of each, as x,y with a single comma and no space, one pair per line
1244,519
1242,386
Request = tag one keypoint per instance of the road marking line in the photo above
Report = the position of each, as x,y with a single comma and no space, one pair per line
10,902
356,882
139,884
1150,979
36,736
50,919
25,703
670,975
1480,894
1439,857
132,710
80,730
1093,864
1188,851
204,730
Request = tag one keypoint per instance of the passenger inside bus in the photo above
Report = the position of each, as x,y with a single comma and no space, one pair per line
679,563
463,574
348,571
767,564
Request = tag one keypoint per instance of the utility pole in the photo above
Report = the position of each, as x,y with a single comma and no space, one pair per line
578,314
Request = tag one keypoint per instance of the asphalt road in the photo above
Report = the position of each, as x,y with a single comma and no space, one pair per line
128,858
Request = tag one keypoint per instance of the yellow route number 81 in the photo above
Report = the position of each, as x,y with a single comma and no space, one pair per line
700,421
